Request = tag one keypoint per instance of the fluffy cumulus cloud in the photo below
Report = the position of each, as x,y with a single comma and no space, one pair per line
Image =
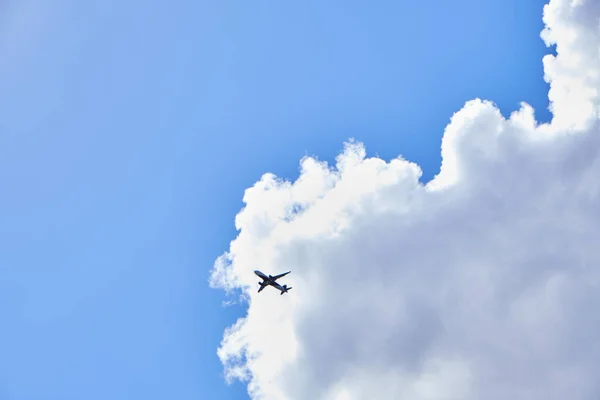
481,284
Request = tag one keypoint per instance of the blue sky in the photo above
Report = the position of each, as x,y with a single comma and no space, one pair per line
128,133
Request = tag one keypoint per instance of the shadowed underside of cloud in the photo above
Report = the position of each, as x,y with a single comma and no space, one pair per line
482,284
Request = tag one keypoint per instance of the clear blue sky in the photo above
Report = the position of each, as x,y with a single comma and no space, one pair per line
129,131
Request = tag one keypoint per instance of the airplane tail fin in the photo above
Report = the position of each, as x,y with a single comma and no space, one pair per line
285,289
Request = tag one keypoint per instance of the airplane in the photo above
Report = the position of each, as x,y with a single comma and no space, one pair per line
270,280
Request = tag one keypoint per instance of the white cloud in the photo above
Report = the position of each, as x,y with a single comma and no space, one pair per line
483,284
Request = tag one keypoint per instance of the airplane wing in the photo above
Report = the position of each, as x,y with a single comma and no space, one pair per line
262,287
280,275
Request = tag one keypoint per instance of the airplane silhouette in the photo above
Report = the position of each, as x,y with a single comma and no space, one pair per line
269,280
